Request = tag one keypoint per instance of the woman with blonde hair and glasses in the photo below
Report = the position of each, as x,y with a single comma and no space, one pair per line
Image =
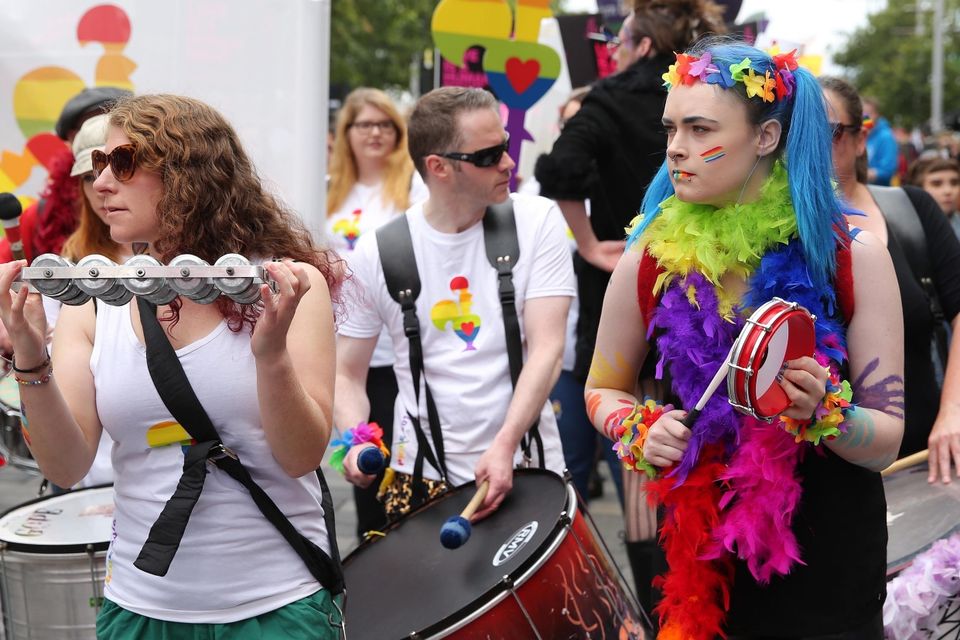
371,181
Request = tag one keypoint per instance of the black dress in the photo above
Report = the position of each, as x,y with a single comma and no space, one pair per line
921,391
608,153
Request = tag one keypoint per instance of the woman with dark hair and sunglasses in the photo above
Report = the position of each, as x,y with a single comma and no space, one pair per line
757,517
371,182
174,178
932,414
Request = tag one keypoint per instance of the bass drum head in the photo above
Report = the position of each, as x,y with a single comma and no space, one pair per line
407,582
66,523
918,514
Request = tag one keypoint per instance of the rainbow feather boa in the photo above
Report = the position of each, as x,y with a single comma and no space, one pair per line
736,490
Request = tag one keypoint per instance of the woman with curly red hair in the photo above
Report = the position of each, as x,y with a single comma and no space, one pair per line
176,180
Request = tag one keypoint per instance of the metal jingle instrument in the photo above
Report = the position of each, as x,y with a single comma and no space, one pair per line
186,275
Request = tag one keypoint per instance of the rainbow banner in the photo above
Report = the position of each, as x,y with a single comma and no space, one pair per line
264,65
519,69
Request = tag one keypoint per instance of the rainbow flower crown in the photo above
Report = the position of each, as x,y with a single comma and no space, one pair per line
776,84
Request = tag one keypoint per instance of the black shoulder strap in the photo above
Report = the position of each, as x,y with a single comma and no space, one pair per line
399,266
903,222
503,251
179,398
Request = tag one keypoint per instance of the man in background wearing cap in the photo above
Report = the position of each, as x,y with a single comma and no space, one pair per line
45,224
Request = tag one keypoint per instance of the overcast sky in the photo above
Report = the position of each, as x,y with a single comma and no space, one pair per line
821,25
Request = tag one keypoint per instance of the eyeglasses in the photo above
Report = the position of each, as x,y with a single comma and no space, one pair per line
367,126
482,158
122,161
838,128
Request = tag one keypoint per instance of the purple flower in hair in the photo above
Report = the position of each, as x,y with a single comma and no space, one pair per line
786,83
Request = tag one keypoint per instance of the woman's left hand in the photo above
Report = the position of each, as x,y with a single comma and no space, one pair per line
270,335
805,382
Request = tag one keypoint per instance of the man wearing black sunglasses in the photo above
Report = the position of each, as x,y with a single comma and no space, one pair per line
459,146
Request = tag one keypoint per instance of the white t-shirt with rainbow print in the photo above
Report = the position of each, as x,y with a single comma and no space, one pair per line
465,356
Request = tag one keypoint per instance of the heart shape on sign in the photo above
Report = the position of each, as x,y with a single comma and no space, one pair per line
466,327
522,75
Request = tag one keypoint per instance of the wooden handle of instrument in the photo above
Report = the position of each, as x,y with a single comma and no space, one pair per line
475,501
908,461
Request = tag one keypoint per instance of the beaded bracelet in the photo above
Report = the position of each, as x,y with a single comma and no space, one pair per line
37,369
825,422
44,379
630,434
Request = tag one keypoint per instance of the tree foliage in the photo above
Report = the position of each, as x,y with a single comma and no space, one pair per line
889,61
373,42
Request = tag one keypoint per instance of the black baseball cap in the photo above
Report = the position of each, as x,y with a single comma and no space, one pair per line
96,99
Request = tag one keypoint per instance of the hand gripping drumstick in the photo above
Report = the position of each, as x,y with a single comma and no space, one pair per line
456,530
370,460
692,416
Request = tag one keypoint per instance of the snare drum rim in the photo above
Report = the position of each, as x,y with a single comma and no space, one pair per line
742,385
47,549
488,600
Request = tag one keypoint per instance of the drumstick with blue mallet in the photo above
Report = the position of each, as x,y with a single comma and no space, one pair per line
456,530
370,461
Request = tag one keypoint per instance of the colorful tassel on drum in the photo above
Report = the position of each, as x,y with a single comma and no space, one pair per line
696,591
762,497
361,434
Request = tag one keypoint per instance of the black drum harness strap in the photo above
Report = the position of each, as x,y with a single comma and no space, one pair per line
165,534
403,284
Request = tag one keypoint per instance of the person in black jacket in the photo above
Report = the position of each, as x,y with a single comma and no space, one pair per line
931,416
608,153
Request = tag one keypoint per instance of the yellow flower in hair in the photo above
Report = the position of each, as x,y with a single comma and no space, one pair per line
671,78
754,84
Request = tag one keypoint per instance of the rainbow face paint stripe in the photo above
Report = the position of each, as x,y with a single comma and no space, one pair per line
713,154
679,174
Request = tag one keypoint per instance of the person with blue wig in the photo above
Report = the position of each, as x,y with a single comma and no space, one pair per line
772,528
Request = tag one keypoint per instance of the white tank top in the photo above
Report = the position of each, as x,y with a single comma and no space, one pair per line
232,563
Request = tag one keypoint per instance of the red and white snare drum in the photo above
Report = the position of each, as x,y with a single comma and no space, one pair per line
533,569
777,331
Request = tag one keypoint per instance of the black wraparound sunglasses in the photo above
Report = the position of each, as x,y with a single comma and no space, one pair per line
483,158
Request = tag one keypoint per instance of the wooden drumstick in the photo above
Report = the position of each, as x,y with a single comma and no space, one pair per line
907,461
692,416
456,530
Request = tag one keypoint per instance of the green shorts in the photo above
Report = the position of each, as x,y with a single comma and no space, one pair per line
315,617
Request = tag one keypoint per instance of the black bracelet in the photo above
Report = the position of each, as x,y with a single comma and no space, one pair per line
37,369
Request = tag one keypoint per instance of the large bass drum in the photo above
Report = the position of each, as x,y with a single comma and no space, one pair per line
52,565
536,568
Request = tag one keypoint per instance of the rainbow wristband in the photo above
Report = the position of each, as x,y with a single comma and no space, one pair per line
630,433
825,422
363,433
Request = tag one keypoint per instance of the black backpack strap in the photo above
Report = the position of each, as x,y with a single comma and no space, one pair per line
904,224
503,252
400,273
179,398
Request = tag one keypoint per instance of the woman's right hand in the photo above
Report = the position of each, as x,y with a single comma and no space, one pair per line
22,315
667,439
351,470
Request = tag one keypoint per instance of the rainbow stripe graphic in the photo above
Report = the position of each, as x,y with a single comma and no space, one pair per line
713,154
